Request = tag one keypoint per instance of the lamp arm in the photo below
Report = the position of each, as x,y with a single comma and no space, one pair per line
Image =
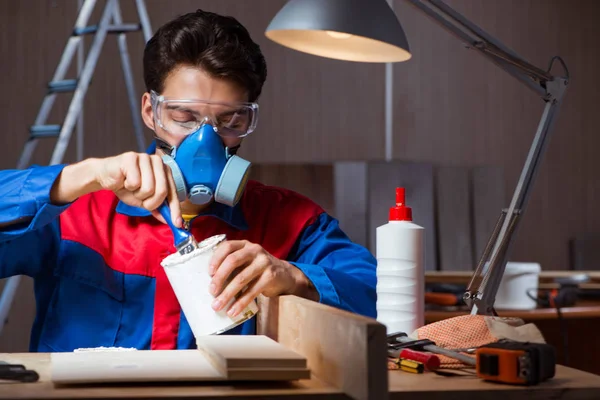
482,290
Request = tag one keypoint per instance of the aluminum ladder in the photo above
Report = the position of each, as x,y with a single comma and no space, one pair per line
110,22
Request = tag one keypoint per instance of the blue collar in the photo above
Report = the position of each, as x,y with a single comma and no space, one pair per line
233,216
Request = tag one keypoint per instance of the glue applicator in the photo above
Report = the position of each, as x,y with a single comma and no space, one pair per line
184,241
400,270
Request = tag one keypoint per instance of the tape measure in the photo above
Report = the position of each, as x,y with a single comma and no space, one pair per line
517,363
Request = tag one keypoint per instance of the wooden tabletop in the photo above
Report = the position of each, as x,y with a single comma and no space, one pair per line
45,389
567,384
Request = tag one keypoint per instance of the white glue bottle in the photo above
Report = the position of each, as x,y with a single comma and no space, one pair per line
400,270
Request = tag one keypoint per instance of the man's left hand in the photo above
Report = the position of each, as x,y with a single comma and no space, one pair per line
256,269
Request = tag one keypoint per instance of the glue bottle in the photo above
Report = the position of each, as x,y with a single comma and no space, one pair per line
400,270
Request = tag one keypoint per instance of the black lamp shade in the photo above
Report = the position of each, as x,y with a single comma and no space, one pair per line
351,30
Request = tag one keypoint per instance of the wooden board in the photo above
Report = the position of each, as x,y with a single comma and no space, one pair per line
132,366
248,352
218,358
344,349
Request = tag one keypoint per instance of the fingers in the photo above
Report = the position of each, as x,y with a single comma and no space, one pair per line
131,172
244,278
147,186
222,251
253,290
147,183
234,254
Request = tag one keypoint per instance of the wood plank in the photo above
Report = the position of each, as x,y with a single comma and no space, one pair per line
567,384
417,179
267,319
453,205
489,197
254,351
350,196
344,349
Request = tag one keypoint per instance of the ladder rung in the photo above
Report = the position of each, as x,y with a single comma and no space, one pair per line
122,28
67,85
44,131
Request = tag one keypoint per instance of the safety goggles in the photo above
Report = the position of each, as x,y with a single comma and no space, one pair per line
182,117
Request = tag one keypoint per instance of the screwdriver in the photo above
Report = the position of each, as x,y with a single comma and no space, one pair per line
430,361
403,338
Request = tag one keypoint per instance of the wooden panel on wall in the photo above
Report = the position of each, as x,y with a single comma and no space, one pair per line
350,197
489,196
453,106
453,205
314,181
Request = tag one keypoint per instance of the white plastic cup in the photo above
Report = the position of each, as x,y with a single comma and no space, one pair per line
190,279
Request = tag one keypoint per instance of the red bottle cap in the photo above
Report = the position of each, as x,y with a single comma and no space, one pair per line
400,212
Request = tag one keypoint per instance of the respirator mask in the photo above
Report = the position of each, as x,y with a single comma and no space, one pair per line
203,168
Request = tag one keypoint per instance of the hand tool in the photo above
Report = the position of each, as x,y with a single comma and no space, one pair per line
517,363
430,361
184,241
410,366
17,372
399,340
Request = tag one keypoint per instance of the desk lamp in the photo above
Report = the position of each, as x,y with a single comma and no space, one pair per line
369,31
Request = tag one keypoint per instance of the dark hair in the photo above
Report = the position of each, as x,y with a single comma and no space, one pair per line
217,44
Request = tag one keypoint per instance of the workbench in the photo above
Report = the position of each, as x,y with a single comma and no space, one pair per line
346,354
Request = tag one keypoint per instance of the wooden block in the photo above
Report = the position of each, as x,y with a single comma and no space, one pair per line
343,349
267,319
255,351
453,204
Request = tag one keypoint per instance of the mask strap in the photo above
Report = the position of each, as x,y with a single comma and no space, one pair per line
165,147
231,151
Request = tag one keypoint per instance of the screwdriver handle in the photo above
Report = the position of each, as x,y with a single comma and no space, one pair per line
431,361
180,235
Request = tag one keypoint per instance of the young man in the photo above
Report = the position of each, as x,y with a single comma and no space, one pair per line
91,236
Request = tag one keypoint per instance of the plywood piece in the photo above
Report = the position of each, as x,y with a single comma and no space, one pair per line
267,318
417,179
350,188
344,349
255,351
453,204
269,374
132,366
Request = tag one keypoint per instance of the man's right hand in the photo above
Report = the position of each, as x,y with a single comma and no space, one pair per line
138,179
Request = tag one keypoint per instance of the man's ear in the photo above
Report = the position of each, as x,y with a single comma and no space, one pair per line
147,113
